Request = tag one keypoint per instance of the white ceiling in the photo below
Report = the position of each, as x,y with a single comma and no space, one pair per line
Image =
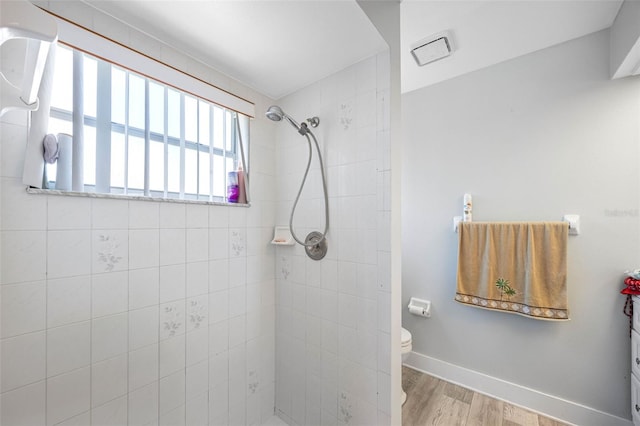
280,46
273,46
489,32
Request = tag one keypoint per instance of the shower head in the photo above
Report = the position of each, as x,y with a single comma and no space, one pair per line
275,113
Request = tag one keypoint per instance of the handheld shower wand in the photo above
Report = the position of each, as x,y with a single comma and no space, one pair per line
316,243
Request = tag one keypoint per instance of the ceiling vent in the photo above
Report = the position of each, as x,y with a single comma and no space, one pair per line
433,48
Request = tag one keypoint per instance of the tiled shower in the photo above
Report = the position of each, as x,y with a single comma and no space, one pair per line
333,316
121,312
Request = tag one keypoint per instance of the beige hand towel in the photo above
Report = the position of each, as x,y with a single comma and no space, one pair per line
514,267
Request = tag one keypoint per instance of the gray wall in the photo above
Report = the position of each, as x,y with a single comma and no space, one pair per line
533,138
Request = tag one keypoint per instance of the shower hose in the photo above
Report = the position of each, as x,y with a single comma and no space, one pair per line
324,188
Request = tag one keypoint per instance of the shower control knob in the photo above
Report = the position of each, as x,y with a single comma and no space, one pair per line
637,361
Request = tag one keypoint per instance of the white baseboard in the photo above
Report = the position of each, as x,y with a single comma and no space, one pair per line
531,399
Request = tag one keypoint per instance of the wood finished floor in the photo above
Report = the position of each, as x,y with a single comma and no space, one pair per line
431,401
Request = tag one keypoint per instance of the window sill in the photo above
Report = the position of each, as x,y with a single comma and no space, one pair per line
129,197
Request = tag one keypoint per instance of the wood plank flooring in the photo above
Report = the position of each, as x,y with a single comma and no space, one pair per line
431,401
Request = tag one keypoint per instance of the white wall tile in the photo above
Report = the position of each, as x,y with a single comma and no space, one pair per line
68,213
112,413
144,215
237,330
143,366
218,275
347,343
109,293
172,246
218,243
367,250
219,404
109,214
23,360
68,300
197,410
24,406
109,251
367,317
298,296
108,380
219,216
197,312
329,274
218,369
384,311
81,419
144,248
172,355
68,395
68,348
237,271
24,256
197,379
366,281
172,282
329,305
254,325
68,253
197,278
237,242
384,352
237,301
21,211
143,405
172,391
197,216
218,306
237,217
347,277
218,337
197,245
314,273
109,336
197,346
22,308
252,297
256,244
172,215
144,287
175,417
144,325
367,349
237,374
172,319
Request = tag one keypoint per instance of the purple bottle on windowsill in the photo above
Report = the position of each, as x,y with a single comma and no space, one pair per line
232,187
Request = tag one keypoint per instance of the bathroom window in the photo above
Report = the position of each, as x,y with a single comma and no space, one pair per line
141,137
146,129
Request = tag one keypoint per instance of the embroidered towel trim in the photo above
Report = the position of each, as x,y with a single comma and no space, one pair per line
515,267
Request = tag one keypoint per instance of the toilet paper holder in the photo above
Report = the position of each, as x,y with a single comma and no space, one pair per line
419,307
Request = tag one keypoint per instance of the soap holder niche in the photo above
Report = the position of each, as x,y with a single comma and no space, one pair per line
282,236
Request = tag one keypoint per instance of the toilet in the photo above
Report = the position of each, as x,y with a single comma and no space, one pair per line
405,350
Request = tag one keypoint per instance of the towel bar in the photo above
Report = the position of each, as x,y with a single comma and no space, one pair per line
572,219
